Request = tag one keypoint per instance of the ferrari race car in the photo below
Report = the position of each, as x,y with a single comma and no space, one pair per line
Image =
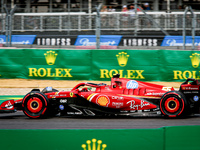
123,97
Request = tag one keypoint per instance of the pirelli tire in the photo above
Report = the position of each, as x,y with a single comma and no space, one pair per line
35,105
174,104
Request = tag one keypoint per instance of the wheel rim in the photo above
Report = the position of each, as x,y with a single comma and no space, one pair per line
172,105
34,105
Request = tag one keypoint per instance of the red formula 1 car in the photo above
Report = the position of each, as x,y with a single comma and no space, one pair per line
122,97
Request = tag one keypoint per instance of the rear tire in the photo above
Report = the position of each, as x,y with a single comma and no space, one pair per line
173,104
35,105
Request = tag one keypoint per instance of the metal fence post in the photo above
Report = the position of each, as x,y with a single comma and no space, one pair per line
60,23
68,9
7,26
136,18
2,17
189,8
79,23
22,23
98,27
11,21
9,16
41,23
89,12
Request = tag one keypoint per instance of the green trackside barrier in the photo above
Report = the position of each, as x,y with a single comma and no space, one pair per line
166,138
59,64
77,139
9,97
182,137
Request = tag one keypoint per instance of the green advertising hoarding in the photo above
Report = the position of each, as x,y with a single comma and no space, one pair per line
9,97
57,64
81,139
132,64
166,138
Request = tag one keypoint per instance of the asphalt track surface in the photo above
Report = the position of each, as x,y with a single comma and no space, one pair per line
20,121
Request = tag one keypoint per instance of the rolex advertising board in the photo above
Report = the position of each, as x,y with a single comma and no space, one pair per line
145,65
61,64
45,64
165,138
132,64
179,65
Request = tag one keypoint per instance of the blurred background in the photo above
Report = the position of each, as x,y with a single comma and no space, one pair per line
140,23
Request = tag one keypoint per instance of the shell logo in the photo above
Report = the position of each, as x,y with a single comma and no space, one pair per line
103,101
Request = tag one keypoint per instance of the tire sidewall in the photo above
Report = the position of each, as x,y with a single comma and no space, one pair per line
181,99
44,101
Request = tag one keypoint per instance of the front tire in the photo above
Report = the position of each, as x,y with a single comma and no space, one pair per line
173,104
35,105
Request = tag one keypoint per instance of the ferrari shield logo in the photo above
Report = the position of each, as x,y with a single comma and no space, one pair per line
71,94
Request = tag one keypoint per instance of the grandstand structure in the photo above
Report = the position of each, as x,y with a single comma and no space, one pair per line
32,6
72,19
79,21
78,17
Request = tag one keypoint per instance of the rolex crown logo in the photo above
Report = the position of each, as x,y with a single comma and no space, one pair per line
94,145
195,59
50,57
122,58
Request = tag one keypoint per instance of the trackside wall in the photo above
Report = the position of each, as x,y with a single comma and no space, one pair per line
7,97
166,138
59,64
